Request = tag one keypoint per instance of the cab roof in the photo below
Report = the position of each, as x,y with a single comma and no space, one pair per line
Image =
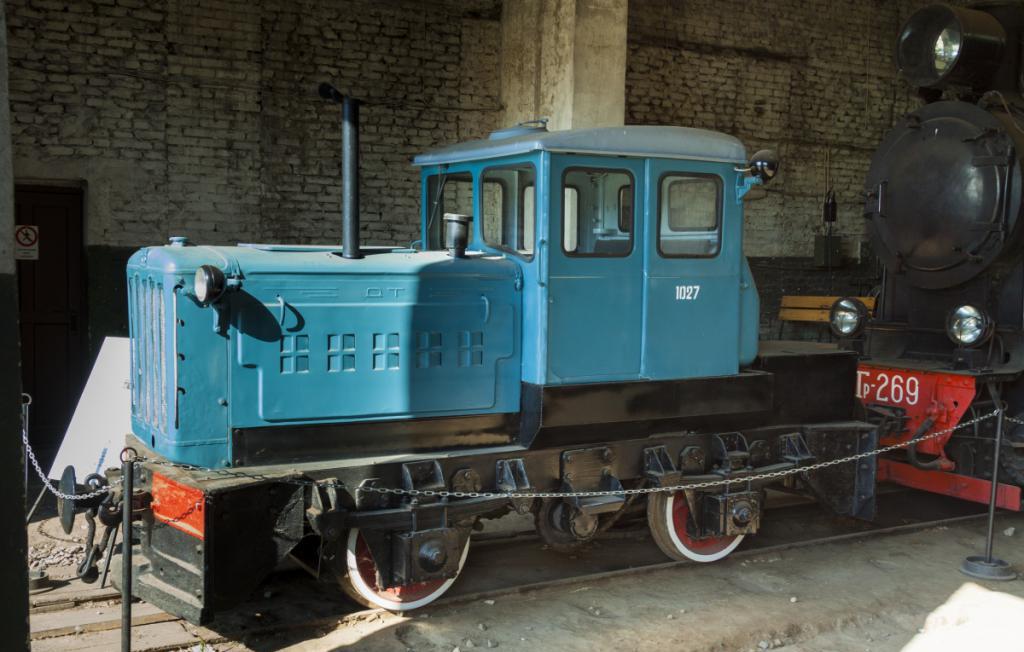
640,141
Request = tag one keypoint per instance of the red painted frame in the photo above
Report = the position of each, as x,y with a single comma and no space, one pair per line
949,484
179,506
944,397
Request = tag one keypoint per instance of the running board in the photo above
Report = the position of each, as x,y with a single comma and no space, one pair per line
949,484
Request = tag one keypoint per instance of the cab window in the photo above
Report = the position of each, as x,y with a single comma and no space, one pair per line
597,212
570,211
447,193
689,215
625,208
508,207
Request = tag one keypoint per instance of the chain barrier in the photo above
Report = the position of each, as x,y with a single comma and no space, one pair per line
46,481
431,493
771,475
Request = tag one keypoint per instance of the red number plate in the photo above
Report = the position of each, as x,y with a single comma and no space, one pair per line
896,388
921,394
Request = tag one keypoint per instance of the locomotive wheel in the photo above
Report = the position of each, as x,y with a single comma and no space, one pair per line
553,523
360,583
667,516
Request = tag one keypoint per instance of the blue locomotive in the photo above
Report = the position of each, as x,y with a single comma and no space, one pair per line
577,321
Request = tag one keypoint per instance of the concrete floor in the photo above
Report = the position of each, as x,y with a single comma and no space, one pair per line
901,592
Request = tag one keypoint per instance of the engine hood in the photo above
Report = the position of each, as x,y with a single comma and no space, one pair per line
248,261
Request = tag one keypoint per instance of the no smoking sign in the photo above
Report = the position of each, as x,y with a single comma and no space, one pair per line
26,242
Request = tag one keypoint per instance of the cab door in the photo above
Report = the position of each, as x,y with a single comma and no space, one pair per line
692,293
595,267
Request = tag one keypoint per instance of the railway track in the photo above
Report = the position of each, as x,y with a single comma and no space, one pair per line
293,606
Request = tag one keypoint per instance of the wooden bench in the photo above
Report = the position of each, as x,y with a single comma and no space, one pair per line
813,309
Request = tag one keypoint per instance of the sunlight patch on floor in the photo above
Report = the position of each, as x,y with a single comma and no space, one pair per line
973,618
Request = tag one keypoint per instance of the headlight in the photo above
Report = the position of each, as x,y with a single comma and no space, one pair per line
947,49
847,317
940,45
210,284
968,326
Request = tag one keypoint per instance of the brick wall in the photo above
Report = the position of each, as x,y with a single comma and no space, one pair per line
200,117
811,78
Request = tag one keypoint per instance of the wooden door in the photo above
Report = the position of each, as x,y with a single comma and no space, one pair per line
51,297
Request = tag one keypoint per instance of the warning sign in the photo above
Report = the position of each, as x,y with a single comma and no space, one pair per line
26,242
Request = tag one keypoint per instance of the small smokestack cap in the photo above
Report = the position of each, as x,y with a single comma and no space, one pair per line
329,92
456,233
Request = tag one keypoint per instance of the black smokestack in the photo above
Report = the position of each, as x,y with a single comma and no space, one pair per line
349,168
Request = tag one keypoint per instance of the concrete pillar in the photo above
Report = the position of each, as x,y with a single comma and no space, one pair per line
14,560
564,60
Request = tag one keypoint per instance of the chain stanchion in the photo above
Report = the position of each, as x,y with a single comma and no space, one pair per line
987,567
26,401
128,458
26,404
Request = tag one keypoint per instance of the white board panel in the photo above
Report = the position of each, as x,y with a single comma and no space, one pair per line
95,437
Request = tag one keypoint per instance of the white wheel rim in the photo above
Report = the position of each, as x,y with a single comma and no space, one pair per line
683,549
371,594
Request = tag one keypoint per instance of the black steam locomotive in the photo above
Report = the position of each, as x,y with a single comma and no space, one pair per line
944,208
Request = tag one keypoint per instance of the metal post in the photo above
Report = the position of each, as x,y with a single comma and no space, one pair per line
13,571
988,567
349,168
128,478
995,487
26,401
350,177
35,505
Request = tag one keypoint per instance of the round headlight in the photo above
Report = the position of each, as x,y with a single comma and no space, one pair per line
847,317
941,45
209,283
947,49
968,326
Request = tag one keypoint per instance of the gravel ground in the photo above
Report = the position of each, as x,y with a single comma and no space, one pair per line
884,594
51,550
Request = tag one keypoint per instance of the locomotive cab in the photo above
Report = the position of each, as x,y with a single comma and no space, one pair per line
629,242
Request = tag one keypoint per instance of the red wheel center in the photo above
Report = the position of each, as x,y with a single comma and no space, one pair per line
680,521
368,572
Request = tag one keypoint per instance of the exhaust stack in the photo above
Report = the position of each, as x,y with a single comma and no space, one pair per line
349,168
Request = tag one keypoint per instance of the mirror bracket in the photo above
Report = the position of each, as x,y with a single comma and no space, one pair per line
744,184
